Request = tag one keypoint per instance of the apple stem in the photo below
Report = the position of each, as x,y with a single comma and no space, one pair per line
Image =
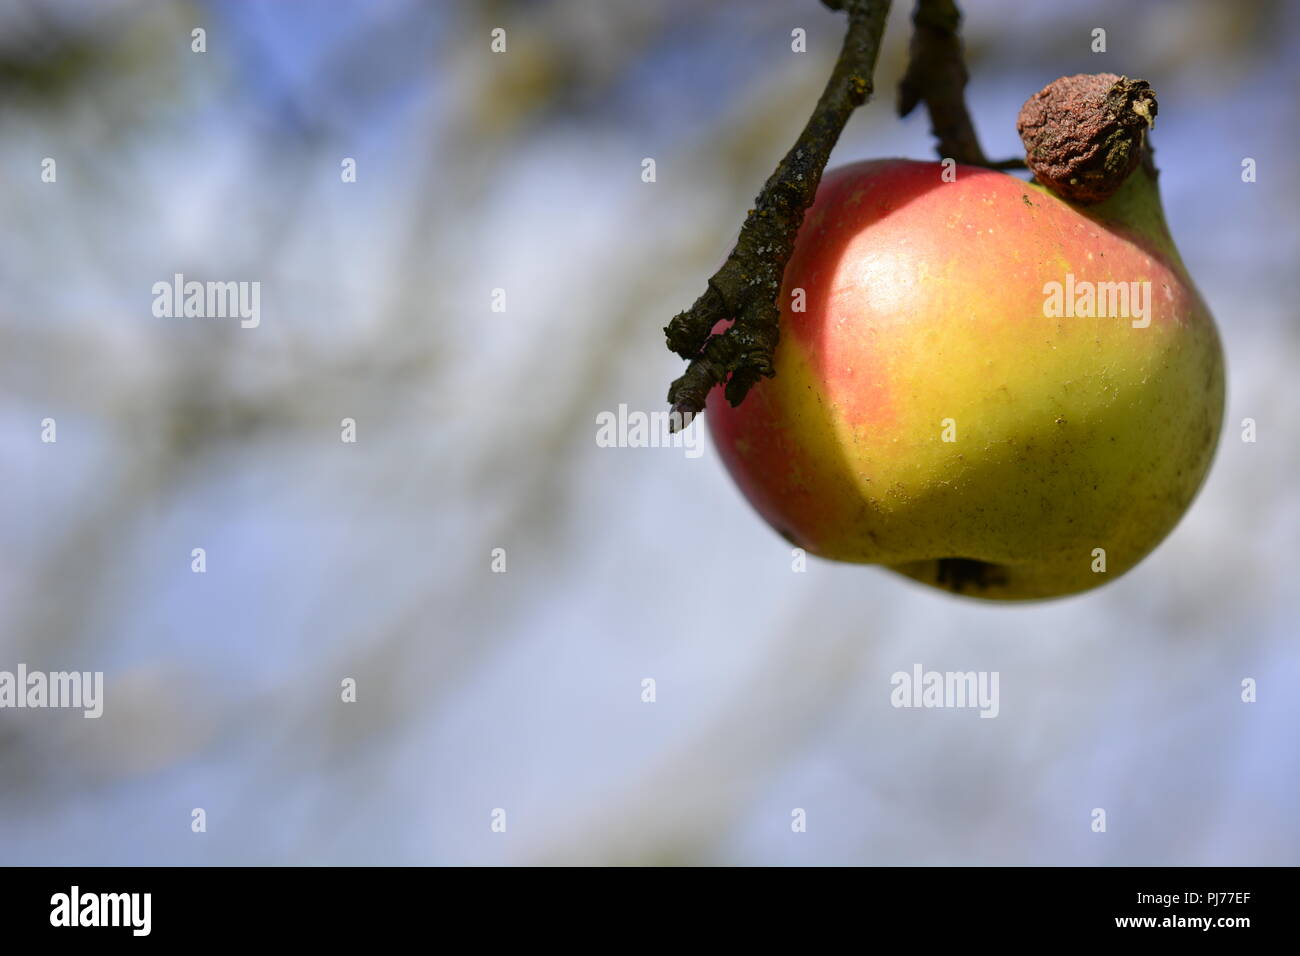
936,75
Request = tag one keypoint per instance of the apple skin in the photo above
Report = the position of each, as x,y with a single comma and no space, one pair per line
924,301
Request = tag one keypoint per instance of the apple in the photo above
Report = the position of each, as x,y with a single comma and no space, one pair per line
980,385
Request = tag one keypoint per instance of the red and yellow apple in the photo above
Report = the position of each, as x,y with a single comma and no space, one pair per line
936,410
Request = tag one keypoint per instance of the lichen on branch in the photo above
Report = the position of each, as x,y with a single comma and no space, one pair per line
746,287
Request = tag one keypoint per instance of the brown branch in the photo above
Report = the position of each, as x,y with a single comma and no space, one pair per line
936,75
747,286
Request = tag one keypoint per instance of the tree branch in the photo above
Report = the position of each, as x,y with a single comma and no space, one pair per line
747,286
936,75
